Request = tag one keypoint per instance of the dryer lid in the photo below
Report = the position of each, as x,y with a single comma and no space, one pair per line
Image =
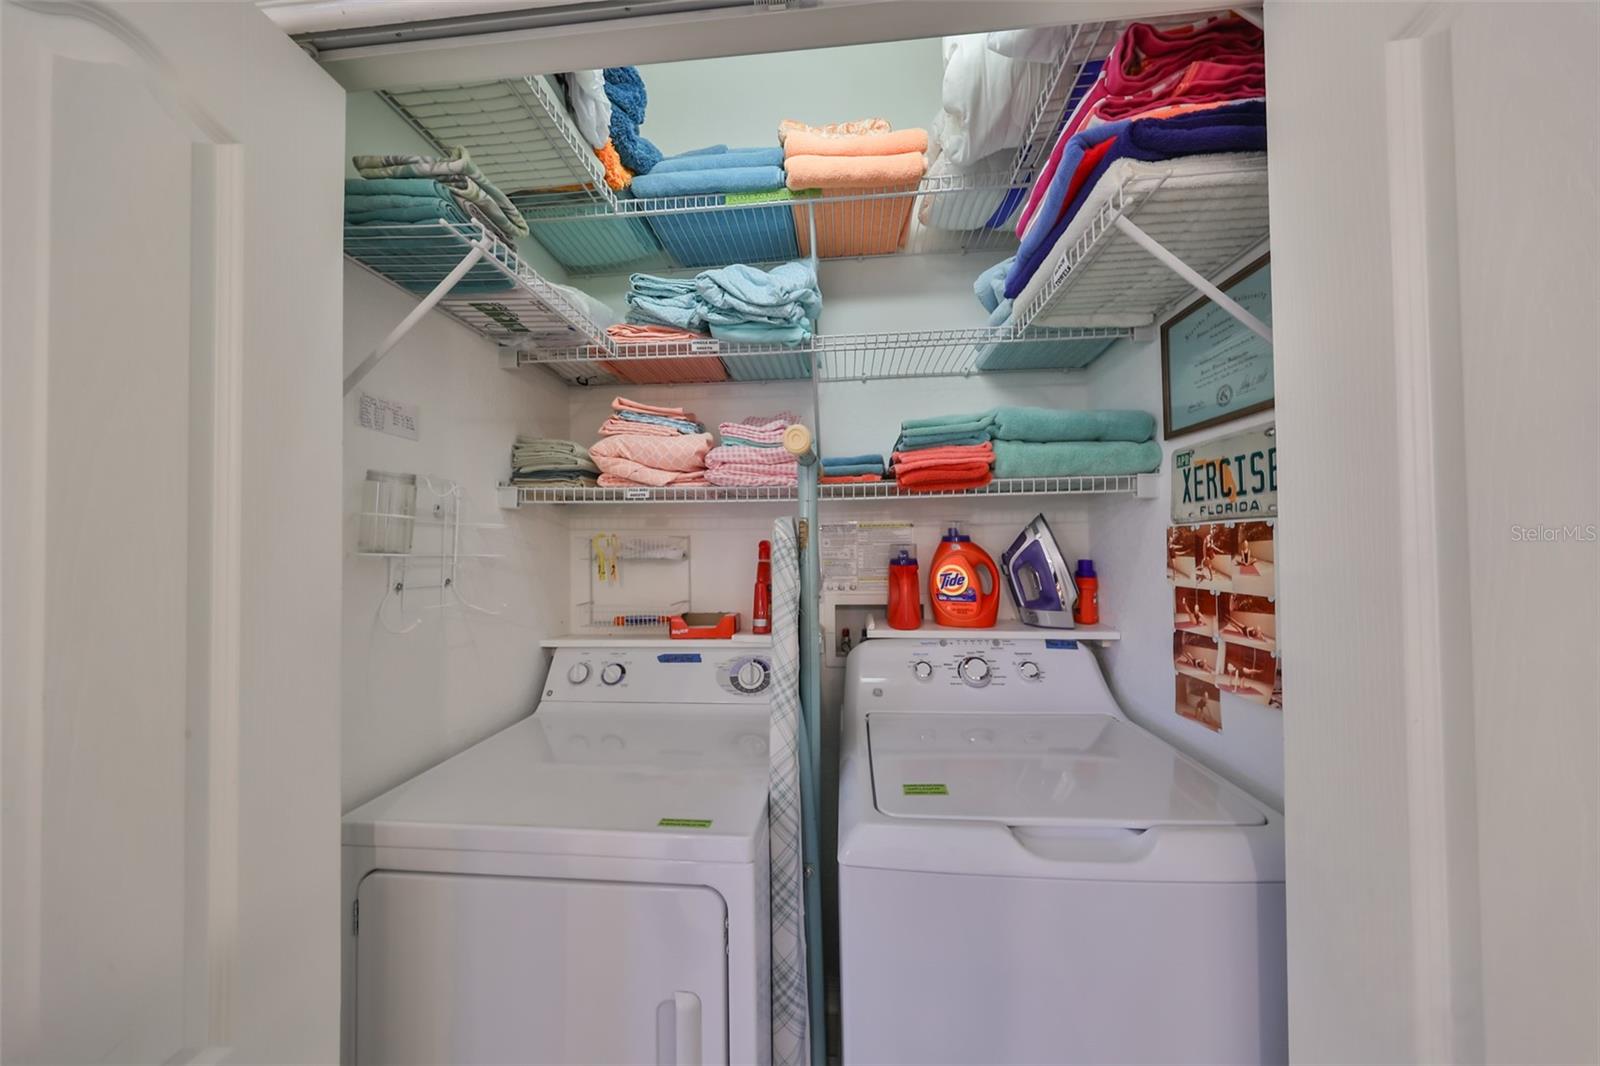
1088,771
625,782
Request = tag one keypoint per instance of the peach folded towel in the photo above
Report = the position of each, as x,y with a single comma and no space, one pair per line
622,403
898,142
620,427
853,128
848,479
943,456
678,453
854,172
638,333
614,481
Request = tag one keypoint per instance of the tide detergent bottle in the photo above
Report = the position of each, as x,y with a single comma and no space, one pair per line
955,589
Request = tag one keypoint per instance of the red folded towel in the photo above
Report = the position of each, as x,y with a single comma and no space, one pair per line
848,479
947,478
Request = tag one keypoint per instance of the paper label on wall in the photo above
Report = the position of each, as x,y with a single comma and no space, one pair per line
387,416
855,555
1230,477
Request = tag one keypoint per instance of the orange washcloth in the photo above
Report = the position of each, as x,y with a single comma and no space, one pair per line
617,175
898,142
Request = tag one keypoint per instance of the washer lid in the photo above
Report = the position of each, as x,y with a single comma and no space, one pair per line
630,783
1082,770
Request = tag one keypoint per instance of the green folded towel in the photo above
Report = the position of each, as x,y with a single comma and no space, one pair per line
1042,424
762,197
1075,458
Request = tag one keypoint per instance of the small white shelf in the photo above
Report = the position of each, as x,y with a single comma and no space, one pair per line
1141,486
738,640
1099,634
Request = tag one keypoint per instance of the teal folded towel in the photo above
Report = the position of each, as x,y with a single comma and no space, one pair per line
853,469
966,422
940,440
1075,458
760,333
867,458
1043,424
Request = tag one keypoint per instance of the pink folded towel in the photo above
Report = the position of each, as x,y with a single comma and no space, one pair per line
752,474
898,142
854,172
854,128
677,453
622,403
747,456
763,428
617,481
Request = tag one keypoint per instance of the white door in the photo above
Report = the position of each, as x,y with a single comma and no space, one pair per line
169,513
469,969
1434,240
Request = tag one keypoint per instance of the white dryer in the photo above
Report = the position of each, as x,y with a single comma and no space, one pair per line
588,885
1025,876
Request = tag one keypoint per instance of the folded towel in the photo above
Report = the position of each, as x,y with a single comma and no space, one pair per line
632,333
783,296
976,420
745,474
616,426
990,286
848,479
936,439
651,285
707,181
899,142
758,197
760,333
838,173
676,454
590,107
946,479
950,455
720,157
768,428
747,455
1043,424
853,128
1075,458
456,169
622,403
653,480
679,424
829,462
854,469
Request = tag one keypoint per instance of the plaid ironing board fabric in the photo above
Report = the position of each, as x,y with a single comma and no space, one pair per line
790,1015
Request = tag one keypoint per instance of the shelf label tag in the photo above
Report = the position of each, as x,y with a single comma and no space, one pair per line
684,823
705,347
925,790
635,494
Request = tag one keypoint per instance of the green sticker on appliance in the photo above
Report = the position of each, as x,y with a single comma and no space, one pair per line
684,823
925,790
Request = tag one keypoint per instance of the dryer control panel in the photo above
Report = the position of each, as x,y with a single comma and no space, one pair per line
659,673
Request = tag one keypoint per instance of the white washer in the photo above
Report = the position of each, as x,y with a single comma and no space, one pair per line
1025,876
588,885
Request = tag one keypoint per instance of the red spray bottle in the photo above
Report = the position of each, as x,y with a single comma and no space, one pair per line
761,609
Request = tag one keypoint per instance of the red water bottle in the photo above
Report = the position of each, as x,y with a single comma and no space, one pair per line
1087,610
905,603
761,610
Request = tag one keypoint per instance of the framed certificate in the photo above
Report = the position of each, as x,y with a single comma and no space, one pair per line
1213,368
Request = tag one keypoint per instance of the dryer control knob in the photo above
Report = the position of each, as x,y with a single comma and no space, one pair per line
751,676
612,673
1029,671
578,673
923,669
974,670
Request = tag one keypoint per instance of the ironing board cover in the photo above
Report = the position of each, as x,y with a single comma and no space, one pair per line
790,1014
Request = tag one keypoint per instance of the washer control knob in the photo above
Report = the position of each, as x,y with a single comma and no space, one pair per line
578,673
974,670
1029,671
923,669
752,676
612,673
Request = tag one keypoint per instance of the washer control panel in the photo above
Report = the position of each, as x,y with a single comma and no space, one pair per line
970,673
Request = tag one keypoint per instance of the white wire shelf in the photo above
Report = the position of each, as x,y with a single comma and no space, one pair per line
1142,486
518,132
1207,218
500,296
838,357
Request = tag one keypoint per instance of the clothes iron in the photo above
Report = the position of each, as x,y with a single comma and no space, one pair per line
1040,583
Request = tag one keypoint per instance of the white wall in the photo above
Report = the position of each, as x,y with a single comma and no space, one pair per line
1130,558
739,100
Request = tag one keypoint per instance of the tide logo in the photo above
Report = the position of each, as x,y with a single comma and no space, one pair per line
952,583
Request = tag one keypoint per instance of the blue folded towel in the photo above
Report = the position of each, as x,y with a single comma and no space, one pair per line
1238,127
1044,424
783,296
707,182
829,462
853,469
1075,458
940,440
679,424
989,287
721,157
760,333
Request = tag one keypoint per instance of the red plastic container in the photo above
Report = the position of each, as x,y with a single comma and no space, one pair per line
956,595
905,596
761,608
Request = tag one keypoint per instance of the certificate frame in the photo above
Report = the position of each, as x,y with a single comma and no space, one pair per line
1180,343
